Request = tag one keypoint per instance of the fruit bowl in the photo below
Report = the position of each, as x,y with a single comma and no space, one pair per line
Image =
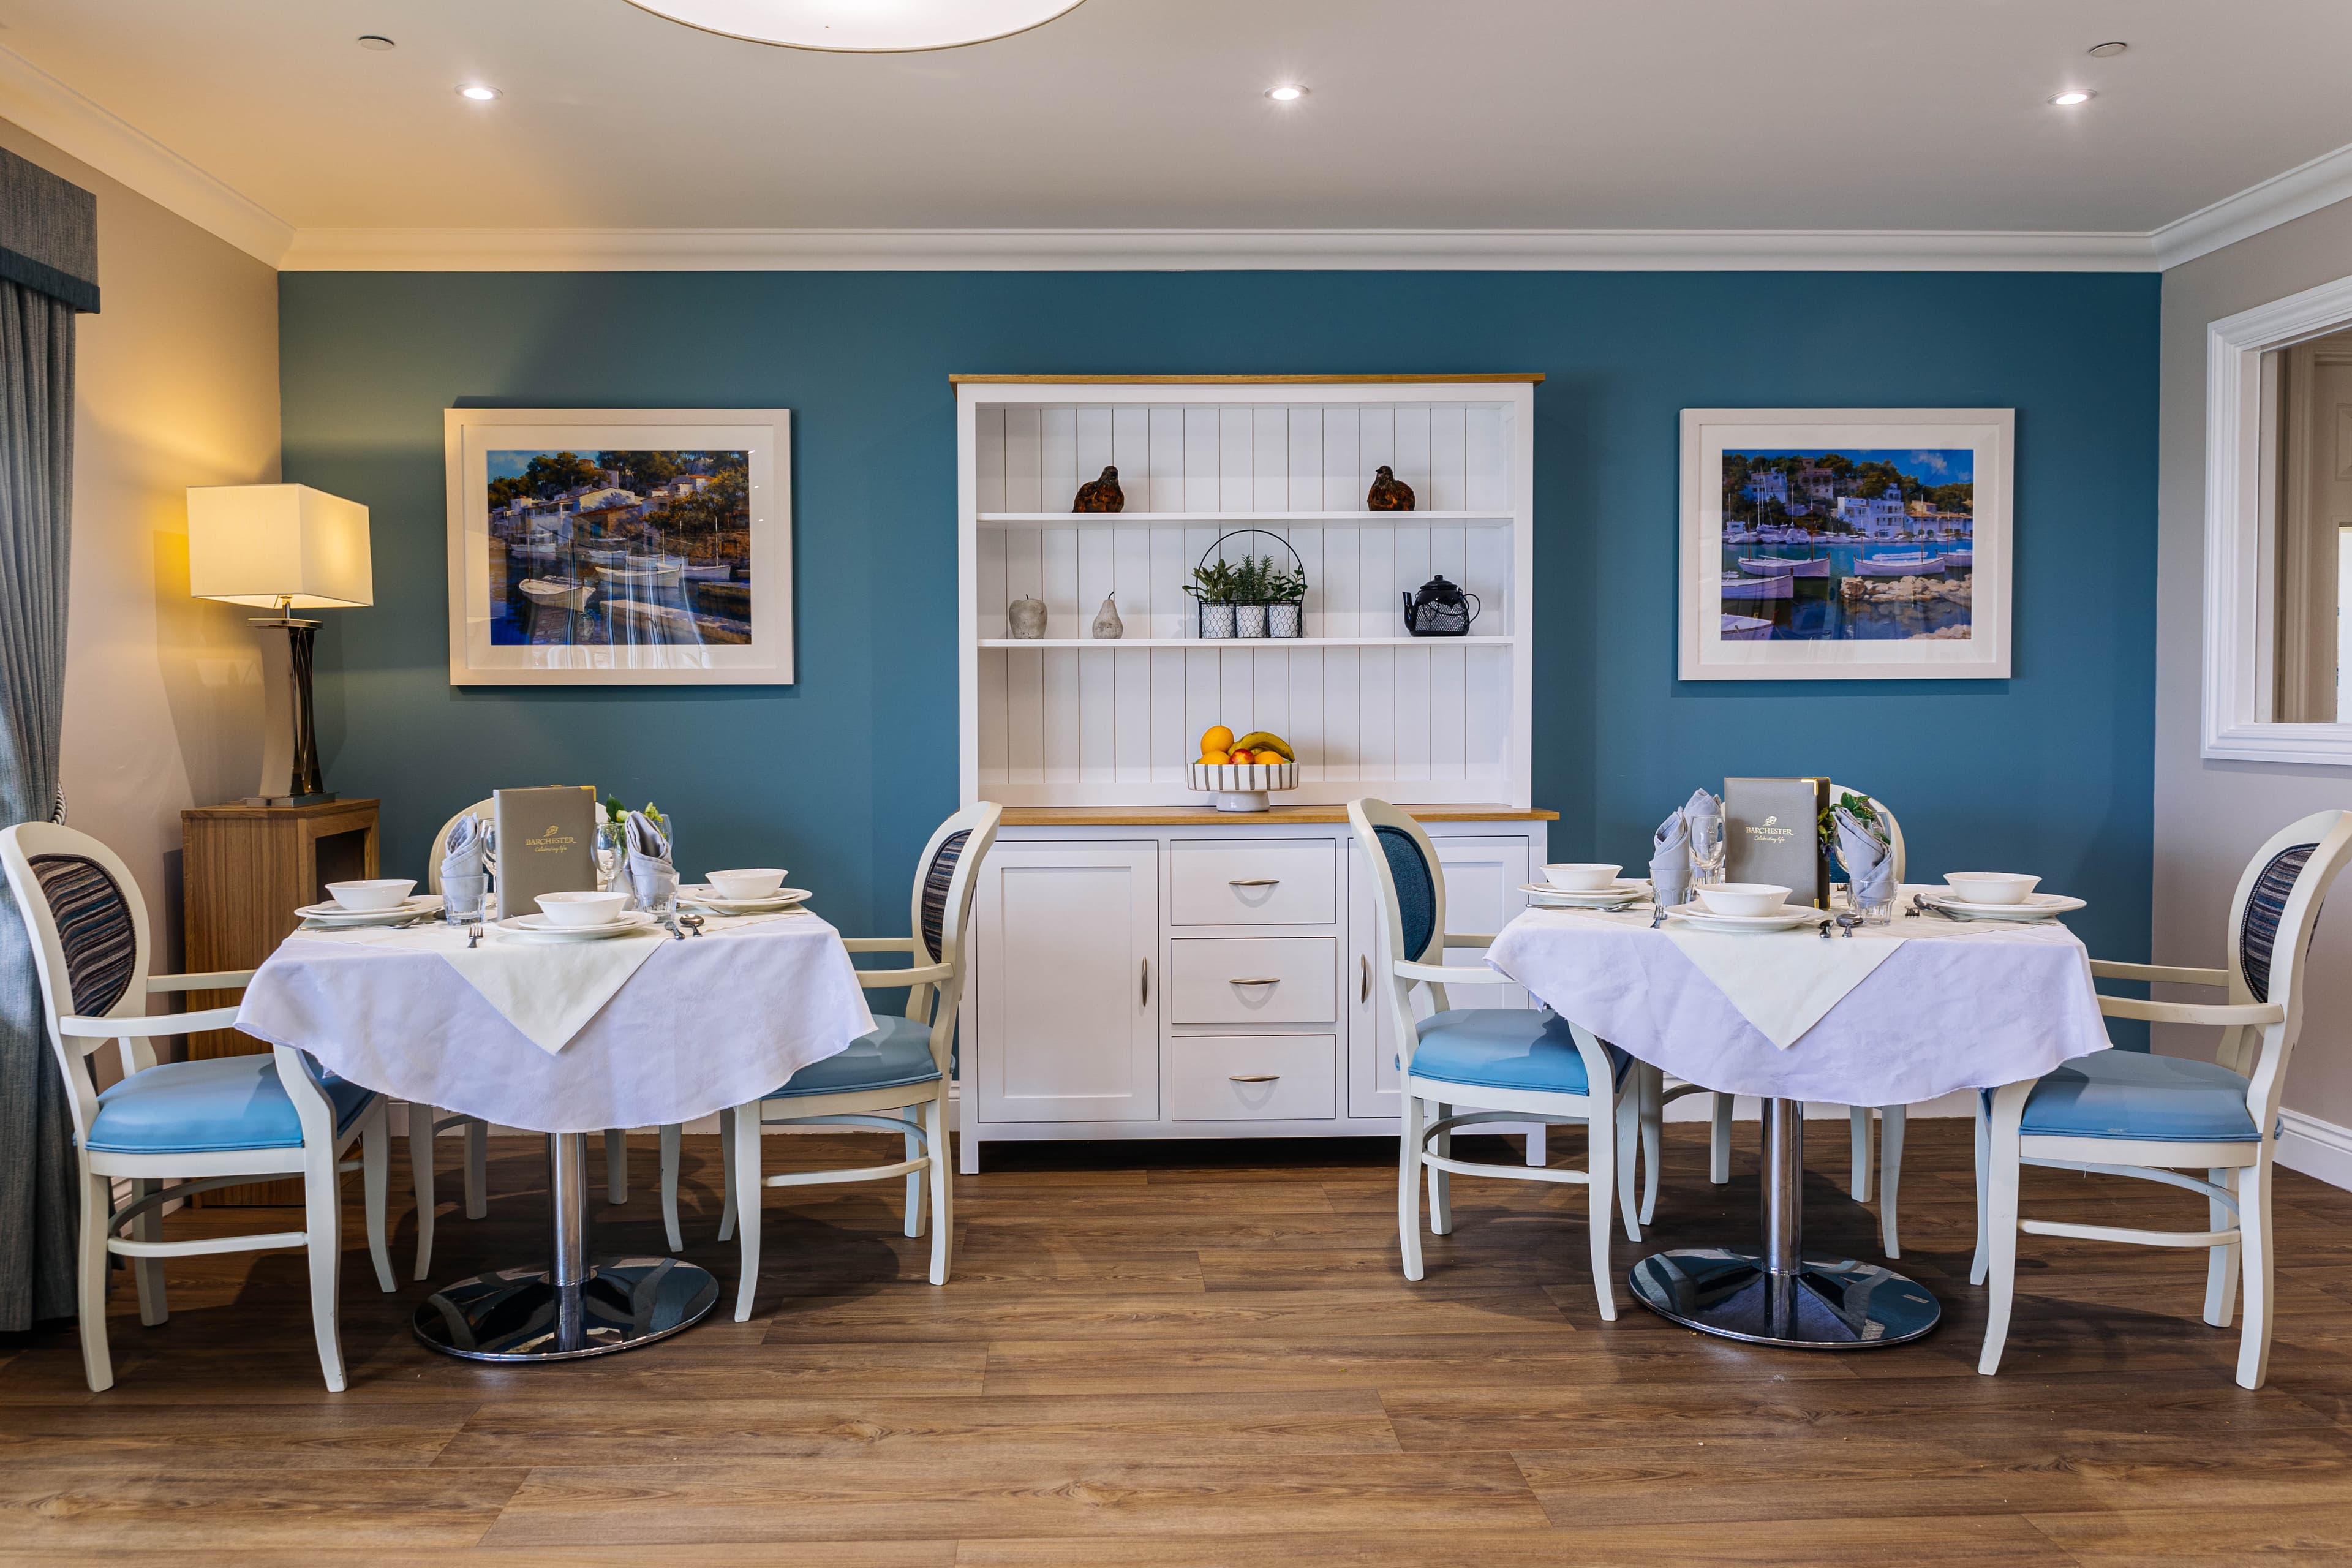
1241,787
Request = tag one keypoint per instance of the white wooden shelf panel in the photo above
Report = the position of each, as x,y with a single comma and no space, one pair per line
1246,645
1133,519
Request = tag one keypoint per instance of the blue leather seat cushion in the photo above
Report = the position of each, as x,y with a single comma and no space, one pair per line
204,1107
1504,1047
896,1053
2131,1094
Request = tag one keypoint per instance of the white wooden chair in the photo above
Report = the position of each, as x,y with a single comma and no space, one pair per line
2133,1114
1518,1064
219,1122
425,1123
1654,1094
887,1078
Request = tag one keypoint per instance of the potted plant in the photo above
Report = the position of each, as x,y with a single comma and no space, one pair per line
1214,587
1250,595
1286,599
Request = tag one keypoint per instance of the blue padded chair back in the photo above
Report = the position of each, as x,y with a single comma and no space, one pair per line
2258,930
94,927
1416,889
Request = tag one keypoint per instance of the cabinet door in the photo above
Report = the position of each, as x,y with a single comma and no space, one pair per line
1482,894
1068,983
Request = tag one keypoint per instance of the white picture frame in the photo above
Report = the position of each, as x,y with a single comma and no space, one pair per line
1706,653
479,656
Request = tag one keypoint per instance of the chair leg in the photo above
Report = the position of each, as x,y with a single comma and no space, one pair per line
89,1287
420,1175
1600,1188
1719,1139
478,1168
149,1271
616,1165
1858,1182
1892,1119
375,1183
1651,1107
750,1189
322,1226
2001,1240
669,1139
1441,1182
942,1175
1409,1186
2222,1262
1533,1149
914,1178
2255,1224
1629,1139
1982,1261
726,1178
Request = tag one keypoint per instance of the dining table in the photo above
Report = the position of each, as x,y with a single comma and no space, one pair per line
1890,1013
566,1037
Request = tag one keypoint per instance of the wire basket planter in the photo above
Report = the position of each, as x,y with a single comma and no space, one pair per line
1225,614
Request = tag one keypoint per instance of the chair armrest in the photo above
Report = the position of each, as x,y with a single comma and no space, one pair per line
879,944
2106,969
152,1024
225,980
2219,1016
921,974
1442,974
1465,939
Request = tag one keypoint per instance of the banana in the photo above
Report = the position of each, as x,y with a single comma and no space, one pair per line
1267,741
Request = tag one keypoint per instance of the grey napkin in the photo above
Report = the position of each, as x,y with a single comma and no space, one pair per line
650,872
1869,859
462,853
1670,870
1700,805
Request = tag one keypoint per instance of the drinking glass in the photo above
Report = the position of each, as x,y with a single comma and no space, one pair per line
1706,847
462,898
1876,913
611,848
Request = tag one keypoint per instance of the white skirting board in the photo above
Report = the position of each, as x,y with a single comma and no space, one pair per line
2320,1149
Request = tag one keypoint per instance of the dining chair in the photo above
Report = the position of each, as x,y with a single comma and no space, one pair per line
202,1125
894,1079
426,1123
1515,1064
2133,1113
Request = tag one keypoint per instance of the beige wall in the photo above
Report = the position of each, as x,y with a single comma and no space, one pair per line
178,386
2212,816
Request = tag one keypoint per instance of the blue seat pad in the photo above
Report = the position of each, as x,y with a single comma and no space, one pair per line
206,1107
2133,1094
897,1053
1504,1047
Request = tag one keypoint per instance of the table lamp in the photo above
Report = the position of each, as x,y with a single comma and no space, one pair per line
284,548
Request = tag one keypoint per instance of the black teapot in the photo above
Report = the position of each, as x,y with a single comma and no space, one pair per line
1438,610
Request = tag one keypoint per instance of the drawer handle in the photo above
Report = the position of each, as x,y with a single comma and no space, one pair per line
1364,992
1253,881
1252,1077
1270,981
1145,1001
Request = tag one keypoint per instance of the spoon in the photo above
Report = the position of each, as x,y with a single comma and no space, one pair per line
691,923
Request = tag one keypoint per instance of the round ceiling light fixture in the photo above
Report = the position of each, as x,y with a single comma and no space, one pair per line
375,41
1289,93
477,92
2104,51
2073,96
862,27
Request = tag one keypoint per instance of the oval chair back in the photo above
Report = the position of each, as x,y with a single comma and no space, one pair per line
940,916
1409,899
89,937
2272,918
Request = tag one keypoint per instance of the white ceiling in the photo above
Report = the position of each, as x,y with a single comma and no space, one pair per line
1424,114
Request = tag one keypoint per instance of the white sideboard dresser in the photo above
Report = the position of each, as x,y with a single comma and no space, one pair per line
1146,966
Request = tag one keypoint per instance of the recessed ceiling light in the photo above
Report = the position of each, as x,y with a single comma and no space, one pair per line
477,92
900,26
2101,51
1289,93
374,41
2069,99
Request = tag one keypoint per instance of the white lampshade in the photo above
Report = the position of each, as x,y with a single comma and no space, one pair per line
261,544
867,26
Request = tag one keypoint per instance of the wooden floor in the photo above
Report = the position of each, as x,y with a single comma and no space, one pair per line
1200,1354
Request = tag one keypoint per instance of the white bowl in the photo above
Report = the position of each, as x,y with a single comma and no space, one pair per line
581,908
758,882
1990,886
1743,898
1579,877
379,893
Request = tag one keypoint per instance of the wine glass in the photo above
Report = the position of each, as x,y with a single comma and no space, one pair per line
1706,851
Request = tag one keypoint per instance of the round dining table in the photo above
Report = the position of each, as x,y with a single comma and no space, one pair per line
1886,1015
564,1037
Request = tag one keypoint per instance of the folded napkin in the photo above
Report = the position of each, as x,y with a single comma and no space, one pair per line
1783,984
1869,858
1670,865
463,854
650,872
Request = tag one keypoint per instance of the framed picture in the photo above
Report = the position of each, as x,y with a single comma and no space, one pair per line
619,546
1845,544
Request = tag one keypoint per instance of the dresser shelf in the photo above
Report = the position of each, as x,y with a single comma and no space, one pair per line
1230,520
1241,645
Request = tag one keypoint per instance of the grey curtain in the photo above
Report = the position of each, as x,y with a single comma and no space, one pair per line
48,271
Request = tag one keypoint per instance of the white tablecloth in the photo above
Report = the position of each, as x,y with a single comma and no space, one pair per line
705,1023
1953,1006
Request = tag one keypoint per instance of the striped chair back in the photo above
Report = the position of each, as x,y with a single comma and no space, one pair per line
946,879
94,926
2272,921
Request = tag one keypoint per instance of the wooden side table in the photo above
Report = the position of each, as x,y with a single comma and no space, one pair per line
244,870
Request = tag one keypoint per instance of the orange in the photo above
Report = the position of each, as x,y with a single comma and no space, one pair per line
1213,758
1216,738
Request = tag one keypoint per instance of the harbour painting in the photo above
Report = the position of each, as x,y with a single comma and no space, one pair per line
1843,544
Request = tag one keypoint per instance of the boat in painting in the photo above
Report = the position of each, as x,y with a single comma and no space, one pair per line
1783,566
1778,585
1912,563
1746,628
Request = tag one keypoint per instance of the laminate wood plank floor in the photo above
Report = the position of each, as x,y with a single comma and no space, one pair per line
1187,1355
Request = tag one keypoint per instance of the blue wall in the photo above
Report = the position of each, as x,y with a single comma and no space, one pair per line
842,776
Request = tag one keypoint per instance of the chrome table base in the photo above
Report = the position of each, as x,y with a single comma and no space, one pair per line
1777,1297
571,1309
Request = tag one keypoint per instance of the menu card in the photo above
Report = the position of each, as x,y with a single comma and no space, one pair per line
1771,835
547,844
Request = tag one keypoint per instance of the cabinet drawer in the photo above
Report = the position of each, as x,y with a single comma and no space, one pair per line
1253,882
1255,1077
1253,980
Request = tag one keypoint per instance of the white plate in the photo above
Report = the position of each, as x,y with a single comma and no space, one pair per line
539,927
699,895
2033,906
1790,917
408,908
1620,892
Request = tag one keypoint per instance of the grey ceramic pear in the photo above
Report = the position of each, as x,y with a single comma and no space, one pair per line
1107,627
